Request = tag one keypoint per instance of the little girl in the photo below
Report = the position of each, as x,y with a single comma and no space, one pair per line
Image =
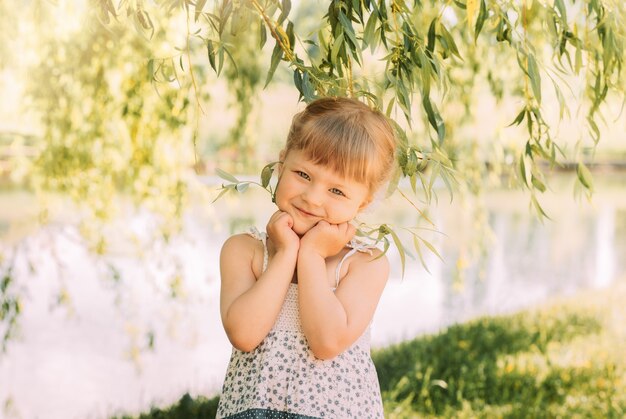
297,302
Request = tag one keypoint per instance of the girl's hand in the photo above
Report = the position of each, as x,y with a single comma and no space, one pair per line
279,229
328,239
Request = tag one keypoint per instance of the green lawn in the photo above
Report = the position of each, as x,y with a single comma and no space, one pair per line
564,359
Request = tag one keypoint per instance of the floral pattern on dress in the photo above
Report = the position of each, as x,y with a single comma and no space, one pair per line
281,378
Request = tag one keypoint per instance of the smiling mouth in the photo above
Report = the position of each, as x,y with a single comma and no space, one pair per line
305,213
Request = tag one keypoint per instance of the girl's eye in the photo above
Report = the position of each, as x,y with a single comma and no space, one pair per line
337,192
303,175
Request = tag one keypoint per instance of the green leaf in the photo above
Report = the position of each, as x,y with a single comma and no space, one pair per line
445,175
595,130
262,35
404,100
535,78
392,101
211,52
151,69
537,183
434,174
277,55
401,251
562,10
432,32
290,36
584,176
431,248
336,47
519,118
297,80
242,187
226,176
223,190
232,61
450,41
434,118
369,33
403,140
482,16
199,5
285,9
266,175
418,250
220,59
347,28
307,88
427,191
538,208
562,105
523,170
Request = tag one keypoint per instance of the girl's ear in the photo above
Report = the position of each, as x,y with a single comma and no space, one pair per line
366,202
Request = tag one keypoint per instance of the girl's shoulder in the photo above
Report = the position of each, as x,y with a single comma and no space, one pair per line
358,256
244,242
366,255
245,248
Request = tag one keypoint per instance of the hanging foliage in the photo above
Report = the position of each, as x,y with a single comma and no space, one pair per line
428,55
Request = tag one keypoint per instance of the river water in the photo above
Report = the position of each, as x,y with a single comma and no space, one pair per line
139,325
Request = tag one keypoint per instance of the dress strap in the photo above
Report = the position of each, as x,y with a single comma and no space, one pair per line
262,236
355,246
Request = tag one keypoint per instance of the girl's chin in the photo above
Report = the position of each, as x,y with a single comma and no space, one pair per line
301,230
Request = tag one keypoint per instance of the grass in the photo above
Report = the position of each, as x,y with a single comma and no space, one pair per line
565,359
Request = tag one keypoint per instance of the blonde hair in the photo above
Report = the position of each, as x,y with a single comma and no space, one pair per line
347,136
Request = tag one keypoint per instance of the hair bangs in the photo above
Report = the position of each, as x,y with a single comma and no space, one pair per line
346,150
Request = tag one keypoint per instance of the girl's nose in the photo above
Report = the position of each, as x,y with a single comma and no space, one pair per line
313,196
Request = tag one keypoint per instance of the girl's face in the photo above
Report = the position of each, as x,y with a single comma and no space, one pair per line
310,192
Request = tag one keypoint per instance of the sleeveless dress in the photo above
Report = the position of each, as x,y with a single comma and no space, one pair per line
281,378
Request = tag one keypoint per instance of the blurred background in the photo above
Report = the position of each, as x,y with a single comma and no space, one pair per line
111,131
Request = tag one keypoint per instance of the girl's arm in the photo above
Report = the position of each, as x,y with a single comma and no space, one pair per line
332,321
249,306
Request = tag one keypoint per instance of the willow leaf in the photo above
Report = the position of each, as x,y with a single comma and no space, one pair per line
211,53
584,176
199,6
450,41
223,190
369,33
401,250
480,21
336,47
262,35
538,208
431,248
538,184
226,176
277,54
535,78
418,250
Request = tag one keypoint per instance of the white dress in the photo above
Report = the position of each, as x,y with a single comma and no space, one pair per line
281,378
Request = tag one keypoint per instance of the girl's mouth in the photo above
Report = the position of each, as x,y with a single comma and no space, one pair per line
305,213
